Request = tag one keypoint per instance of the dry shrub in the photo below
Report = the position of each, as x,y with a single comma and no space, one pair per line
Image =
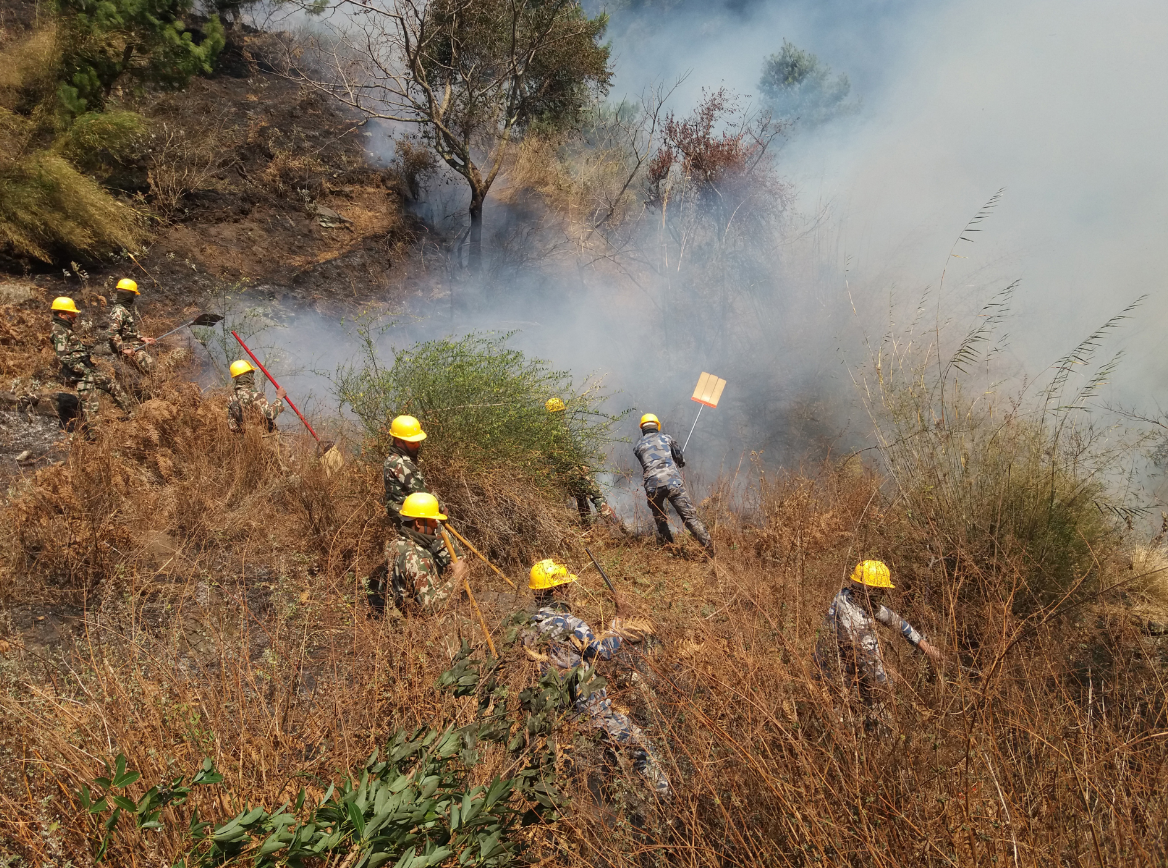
174,467
28,68
21,358
1146,584
182,160
510,518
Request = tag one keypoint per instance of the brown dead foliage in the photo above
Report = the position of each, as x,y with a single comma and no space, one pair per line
225,618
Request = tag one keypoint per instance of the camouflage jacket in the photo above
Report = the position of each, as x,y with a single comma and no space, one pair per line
71,352
570,641
848,644
660,458
123,328
248,399
402,478
415,574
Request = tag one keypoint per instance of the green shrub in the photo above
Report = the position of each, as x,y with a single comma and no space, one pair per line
482,403
146,40
95,139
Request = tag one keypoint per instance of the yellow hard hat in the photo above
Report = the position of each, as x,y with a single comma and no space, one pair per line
421,504
555,405
874,574
548,573
65,303
128,285
240,366
650,419
407,428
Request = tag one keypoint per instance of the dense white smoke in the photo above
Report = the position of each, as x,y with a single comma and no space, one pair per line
1057,102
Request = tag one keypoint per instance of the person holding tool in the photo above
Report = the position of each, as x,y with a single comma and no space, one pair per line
247,400
848,650
418,577
77,367
661,458
124,335
567,642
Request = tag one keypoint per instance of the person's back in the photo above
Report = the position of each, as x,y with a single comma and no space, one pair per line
569,643
660,456
77,366
125,337
848,651
247,400
415,575
417,558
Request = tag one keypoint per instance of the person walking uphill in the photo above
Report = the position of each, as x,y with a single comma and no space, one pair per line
247,400
124,335
77,364
570,643
661,458
418,576
848,649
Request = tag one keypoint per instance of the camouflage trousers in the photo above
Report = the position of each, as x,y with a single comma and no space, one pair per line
629,736
674,492
586,499
89,382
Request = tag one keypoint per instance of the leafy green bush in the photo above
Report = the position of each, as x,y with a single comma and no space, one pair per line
95,139
800,88
481,402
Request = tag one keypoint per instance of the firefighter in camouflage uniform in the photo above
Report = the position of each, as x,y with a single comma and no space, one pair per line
400,471
660,458
124,335
568,642
77,365
248,401
847,651
574,476
421,574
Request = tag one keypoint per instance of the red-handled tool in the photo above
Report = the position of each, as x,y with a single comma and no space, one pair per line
330,457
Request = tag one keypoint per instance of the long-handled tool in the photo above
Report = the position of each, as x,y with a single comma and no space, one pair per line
707,393
203,319
330,457
470,593
603,574
483,557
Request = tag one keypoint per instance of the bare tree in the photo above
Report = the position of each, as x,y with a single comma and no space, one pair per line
472,75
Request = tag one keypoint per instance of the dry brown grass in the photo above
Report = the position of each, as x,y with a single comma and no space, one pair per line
224,618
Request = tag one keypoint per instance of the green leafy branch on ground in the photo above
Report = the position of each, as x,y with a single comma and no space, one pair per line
147,810
411,805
